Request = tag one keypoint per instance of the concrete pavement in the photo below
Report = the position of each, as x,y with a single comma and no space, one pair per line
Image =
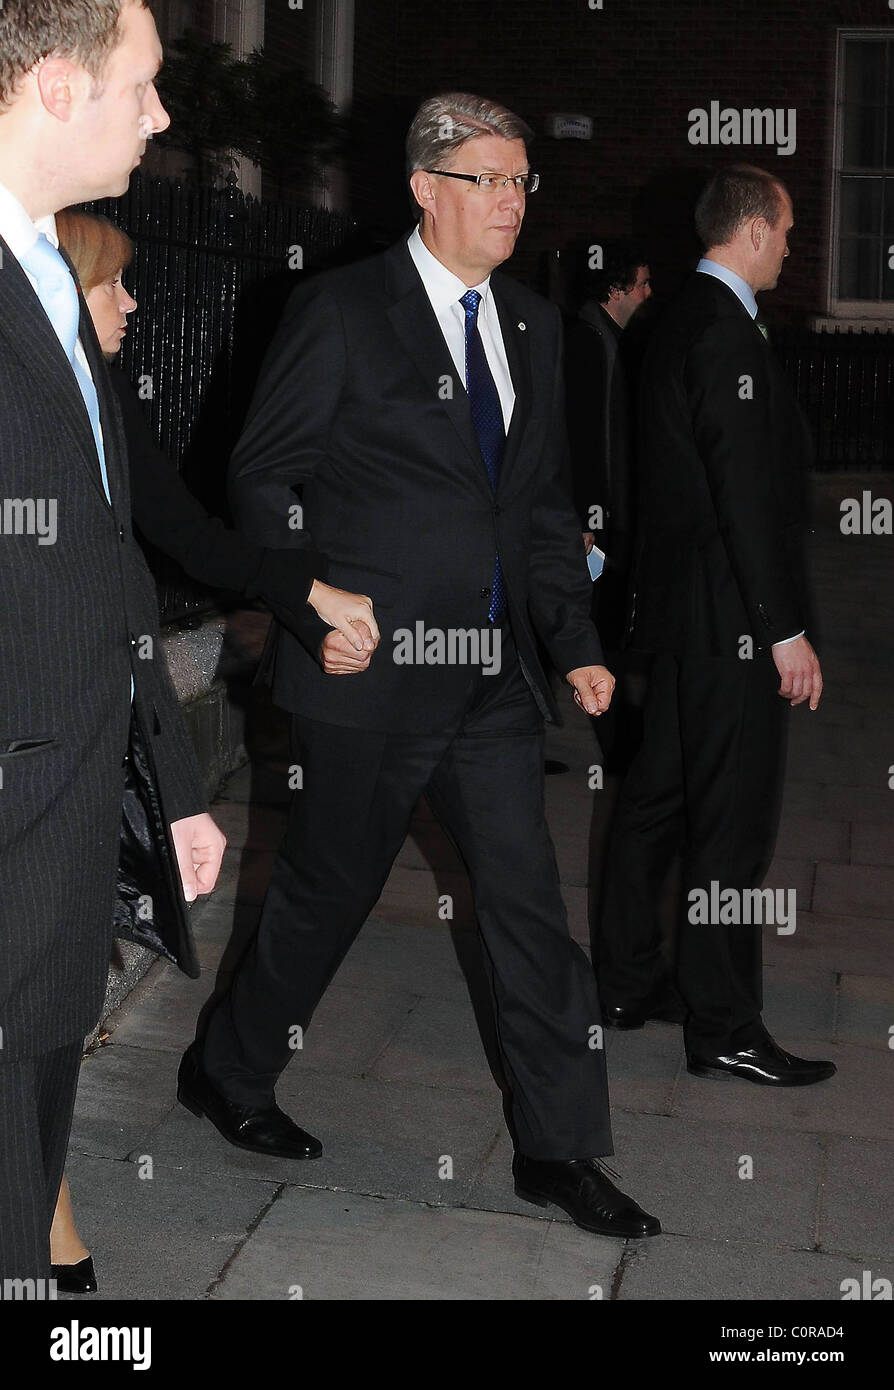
762,1194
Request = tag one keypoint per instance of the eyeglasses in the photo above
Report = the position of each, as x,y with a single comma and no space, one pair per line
525,183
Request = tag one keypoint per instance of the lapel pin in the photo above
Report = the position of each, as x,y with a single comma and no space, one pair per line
522,326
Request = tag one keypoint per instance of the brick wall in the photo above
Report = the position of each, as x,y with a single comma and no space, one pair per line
637,69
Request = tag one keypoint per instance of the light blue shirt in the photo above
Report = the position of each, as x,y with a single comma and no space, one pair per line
740,288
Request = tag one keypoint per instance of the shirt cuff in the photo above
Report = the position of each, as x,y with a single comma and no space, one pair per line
785,640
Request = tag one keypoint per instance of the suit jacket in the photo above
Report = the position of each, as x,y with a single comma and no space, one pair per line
359,404
598,415
722,507
79,618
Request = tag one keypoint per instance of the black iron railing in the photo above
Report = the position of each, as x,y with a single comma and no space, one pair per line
212,271
844,382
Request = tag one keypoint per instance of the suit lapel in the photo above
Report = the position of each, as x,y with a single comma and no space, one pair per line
516,342
31,336
414,321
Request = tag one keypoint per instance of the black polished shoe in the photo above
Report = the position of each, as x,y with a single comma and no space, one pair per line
79,1278
582,1187
264,1130
665,1005
766,1064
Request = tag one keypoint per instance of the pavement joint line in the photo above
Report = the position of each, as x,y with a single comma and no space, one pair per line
240,1244
628,1254
498,1134
387,1041
819,1206
836,1004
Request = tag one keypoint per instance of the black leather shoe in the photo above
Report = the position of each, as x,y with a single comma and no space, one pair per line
665,1005
79,1278
766,1064
582,1187
264,1130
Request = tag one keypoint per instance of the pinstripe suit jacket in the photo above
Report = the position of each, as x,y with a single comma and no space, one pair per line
78,616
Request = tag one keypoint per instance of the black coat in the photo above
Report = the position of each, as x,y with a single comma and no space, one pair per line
172,519
598,416
79,619
359,404
721,500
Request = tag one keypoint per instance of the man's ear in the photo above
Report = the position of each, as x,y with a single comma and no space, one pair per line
58,83
423,189
758,231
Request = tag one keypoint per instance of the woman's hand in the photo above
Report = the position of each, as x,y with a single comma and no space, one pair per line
352,616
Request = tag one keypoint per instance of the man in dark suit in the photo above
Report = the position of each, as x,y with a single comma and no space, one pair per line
96,768
418,401
721,603
600,417
600,392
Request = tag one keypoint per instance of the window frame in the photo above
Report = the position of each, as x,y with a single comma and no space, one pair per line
877,311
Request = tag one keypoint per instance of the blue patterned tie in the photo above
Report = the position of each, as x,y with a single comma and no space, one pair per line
57,293
487,417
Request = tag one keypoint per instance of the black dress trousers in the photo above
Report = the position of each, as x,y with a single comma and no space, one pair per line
706,782
484,781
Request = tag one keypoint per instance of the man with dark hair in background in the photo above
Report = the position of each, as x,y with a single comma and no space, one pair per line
598,411
720,603
600,398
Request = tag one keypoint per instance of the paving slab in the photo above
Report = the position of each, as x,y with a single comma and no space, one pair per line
814,838
337,1246
793,875
856,1215
644,1066
677,1267
380,1138
124,1094
856,1101
721,1181
861,890
438,1044
866,1012
492,1187
858,944
424,961
804,1001
873,842
162,1015
164,1237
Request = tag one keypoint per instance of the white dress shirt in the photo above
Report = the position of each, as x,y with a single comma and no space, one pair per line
20,235
444,290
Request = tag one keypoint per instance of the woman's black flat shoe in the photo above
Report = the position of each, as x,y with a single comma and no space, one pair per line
79,1278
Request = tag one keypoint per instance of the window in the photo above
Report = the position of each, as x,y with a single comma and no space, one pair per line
863,266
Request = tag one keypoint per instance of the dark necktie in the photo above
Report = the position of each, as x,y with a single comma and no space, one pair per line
487,417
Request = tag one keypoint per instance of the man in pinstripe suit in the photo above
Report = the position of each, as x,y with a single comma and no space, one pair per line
88,722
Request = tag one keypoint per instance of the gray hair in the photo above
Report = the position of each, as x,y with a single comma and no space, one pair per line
444,123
